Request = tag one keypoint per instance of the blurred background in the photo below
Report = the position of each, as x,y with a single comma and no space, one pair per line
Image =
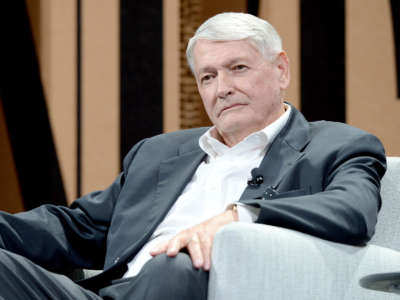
81,81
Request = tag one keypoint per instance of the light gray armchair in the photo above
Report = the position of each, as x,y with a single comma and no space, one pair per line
252,261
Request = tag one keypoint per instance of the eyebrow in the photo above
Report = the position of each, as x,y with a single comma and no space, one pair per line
209,69
206,70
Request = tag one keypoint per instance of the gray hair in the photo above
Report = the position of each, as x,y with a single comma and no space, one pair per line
232,26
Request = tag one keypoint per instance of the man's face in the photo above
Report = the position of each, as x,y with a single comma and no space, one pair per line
241,91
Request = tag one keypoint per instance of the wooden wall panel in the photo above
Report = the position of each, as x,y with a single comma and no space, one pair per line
55,26
284,15
371,79
171,65
100,93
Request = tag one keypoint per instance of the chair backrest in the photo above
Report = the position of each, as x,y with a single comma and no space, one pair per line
387,232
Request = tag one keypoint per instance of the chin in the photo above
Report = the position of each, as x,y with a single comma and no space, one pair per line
234,125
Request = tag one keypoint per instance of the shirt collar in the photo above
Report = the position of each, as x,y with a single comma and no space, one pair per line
257,140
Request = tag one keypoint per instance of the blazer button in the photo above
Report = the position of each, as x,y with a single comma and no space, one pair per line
269,193
116,260
268,196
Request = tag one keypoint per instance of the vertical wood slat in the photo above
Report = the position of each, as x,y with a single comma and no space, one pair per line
100,93
371,92
278,12
171,65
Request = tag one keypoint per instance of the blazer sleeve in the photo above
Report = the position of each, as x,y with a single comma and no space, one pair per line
58,236
345,207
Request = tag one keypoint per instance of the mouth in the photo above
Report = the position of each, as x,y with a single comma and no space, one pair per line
233,106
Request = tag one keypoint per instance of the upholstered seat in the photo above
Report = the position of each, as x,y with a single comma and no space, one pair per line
252,261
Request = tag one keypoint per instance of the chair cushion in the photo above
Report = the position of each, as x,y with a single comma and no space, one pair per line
387,232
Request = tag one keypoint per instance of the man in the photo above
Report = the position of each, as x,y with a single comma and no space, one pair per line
152,230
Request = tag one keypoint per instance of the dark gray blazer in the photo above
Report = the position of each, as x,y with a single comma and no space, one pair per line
321,178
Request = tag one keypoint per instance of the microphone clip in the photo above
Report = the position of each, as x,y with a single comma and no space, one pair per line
255,181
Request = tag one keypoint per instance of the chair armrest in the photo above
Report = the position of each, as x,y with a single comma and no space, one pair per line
253,261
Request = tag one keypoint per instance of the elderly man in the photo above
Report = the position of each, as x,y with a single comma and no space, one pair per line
152,230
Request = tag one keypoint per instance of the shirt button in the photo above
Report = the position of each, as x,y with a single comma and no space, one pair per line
116,260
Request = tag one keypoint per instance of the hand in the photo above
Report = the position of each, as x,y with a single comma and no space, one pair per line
198,240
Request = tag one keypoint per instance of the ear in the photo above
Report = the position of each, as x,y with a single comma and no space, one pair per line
282,62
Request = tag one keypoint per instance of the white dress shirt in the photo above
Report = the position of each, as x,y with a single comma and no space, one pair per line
217,183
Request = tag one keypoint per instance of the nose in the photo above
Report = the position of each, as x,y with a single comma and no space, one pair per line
225,85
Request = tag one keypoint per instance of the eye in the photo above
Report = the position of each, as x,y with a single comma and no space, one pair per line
239,67
206,78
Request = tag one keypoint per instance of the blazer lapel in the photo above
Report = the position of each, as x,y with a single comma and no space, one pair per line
174,174
285,150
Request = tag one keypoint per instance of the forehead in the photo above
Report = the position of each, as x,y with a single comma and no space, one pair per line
212,53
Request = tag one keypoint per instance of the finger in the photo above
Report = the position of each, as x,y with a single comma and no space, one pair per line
206,246
159,248
195,251
174,246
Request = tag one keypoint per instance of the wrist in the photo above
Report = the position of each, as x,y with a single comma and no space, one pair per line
234,212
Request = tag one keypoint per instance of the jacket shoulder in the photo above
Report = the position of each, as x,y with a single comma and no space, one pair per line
341,136
336,129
